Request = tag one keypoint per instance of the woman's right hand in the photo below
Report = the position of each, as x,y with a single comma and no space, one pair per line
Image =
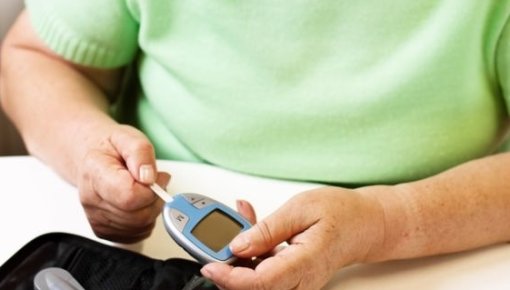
113,184
61,109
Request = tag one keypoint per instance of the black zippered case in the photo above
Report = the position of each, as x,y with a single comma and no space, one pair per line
97,266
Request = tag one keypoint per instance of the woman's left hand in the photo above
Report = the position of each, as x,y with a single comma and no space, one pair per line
325,228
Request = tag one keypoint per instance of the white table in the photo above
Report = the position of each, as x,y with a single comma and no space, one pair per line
34,200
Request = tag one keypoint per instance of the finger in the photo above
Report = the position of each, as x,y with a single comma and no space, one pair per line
282,225
117,206
108,180
121,234
107,220
247,211
139,217
107,214
278,272
140,198
163,179
288,269
137,152
122,226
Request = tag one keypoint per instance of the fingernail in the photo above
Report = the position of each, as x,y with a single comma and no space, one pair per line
239,244
147,174
240,204
206,272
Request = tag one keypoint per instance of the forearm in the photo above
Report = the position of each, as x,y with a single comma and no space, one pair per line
463,208
54,106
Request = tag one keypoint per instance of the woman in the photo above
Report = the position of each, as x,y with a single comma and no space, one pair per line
400,105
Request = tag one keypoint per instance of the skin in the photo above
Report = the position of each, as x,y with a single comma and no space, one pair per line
325,229
60,110
329,228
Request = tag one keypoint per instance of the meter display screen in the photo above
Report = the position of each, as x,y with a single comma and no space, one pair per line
216,230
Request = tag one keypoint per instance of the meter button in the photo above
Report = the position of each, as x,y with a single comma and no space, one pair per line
204,203
178,219
192,198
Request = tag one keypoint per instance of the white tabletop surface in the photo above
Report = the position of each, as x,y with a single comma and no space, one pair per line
34,200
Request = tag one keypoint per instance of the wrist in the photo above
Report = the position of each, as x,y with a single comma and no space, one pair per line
398,220
375,230
361,233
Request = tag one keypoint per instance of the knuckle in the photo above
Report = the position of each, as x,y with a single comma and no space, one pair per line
100,229
126,202
133,197
144,219
102,234
89,198
265,233
142,232
141,145
125,197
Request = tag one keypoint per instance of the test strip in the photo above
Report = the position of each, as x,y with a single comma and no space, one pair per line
161,193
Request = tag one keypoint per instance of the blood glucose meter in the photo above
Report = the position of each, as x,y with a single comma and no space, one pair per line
201,225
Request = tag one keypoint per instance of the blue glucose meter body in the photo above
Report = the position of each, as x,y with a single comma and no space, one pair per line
203,226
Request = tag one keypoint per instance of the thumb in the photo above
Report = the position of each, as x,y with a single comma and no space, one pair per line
137,152
267,234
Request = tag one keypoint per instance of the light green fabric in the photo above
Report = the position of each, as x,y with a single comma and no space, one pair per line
355,92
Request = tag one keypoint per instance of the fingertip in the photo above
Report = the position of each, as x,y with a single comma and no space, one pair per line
246,210
212,271
240,244
226,276
163,179
137,152
207,272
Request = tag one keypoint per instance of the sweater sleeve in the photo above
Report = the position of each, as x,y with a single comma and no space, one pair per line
95,33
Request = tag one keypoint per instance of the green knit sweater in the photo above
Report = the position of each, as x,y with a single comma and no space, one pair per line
354,92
